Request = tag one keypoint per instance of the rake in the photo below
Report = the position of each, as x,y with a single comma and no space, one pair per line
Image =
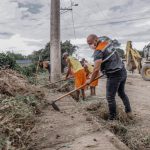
53,104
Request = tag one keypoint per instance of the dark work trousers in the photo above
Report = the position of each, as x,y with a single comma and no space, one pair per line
116,83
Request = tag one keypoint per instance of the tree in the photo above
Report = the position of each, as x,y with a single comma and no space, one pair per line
44,54
7,60
16,56
68,47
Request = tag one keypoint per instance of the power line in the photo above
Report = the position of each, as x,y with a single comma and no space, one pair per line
74,31
105,16
64,9
63,12
111,22
99,20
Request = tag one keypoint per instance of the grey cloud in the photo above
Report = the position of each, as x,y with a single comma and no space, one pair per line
121,8
139,36
13,1
5,35
31,20
24,16
139,33
91,16
33,8
34,43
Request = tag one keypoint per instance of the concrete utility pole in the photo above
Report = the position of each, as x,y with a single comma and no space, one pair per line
55,51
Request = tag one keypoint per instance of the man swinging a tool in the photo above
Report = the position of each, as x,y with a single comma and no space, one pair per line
78,71
108,61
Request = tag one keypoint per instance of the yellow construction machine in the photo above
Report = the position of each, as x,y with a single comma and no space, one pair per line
134,61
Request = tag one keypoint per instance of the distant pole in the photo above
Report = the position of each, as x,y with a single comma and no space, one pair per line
55,52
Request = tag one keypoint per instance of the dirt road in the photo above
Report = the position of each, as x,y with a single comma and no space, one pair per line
76,129
72,129
138,90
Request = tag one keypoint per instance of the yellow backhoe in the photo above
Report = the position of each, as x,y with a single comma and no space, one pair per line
134,61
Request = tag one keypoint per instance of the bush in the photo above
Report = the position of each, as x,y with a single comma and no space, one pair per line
7,60
29,70
18,119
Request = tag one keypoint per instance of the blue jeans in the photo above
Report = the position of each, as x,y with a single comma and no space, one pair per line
116,83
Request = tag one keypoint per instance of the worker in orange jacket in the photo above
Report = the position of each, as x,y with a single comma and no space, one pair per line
78,71
89,70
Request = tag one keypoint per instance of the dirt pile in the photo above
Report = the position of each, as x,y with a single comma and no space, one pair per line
20,104
12,84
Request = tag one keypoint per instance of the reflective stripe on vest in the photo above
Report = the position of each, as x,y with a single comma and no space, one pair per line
103,46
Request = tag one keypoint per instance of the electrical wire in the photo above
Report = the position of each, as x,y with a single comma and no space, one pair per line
63,12
73,23
105,16
105,23
111,22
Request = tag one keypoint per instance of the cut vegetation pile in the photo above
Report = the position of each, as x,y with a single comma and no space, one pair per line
12,84
20,102
100,109
126,129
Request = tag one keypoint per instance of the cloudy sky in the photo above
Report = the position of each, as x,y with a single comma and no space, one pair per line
25,24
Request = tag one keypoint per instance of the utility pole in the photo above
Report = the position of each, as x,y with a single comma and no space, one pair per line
55,50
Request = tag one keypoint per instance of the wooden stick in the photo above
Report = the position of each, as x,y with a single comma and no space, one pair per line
37,68
75,90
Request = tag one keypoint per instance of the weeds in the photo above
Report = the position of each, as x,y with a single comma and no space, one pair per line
124,128
17,120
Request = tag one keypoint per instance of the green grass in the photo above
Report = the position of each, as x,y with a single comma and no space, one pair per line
18,118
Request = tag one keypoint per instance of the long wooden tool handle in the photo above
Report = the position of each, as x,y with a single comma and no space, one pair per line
37,68
75,89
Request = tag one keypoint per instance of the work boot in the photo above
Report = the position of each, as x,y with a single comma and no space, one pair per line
130,115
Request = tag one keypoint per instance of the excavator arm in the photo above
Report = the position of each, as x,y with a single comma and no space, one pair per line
133,58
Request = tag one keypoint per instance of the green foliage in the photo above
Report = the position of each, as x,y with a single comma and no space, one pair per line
2,141
44,54
40,53
68,47
7,60
16,56
28,71
18,115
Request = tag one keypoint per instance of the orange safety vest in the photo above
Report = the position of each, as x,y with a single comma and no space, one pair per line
75,64
101,46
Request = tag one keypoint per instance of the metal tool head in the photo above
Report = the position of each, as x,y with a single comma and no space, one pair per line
55,106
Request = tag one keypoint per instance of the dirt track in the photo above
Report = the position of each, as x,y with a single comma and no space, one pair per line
76,129
138,91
